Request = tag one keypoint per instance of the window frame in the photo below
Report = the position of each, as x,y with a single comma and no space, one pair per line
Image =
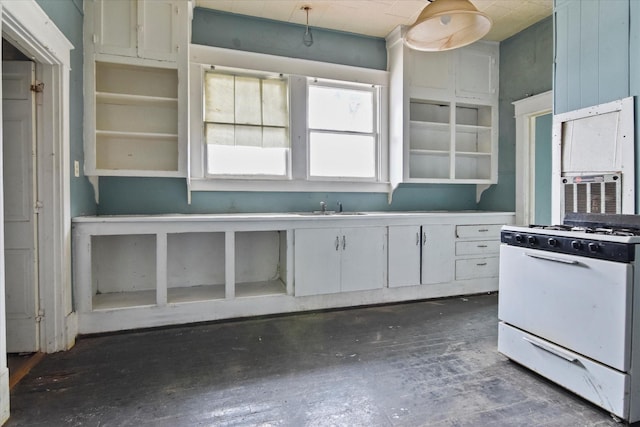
375,97
297,70
244,73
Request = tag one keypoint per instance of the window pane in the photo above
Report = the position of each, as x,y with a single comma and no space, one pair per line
248,101
332,108
275,137
218,94
249,136
338,155
238,160
220,134
274,103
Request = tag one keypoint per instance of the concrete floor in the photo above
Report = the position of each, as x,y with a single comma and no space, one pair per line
430,363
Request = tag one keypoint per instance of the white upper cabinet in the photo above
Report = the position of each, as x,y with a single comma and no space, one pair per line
444,114
476,71
136,58
140,29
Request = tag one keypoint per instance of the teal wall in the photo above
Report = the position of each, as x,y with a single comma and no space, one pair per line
598,57
68,16
250,34
542,172
592,52
157,195
526,67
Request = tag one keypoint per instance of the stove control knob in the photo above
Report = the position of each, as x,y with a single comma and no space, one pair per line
532,240
519,238
576,244
552,242
594,247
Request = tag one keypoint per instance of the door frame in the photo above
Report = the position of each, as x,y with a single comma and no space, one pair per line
526,111
28,27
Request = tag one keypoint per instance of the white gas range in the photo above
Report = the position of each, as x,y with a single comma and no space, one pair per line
569,306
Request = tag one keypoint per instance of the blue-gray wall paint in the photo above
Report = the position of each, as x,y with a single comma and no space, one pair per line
68,16
542,173
120,196
592,52
526,67
240,32
164,195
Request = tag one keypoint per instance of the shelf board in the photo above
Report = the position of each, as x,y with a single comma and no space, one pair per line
472,154
137,135
195,293
152,173
472,128
129,99
429,125
256,289
115,300
421,152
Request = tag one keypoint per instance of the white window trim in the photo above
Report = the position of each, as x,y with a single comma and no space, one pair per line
202,57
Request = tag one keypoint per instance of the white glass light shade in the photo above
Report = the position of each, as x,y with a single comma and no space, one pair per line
447,24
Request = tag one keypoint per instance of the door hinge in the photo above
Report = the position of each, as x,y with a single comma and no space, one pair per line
37,87
40,315
38,206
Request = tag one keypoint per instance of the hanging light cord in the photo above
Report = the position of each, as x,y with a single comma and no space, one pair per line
307,38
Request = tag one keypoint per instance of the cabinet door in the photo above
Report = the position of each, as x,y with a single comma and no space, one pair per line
477,72
116,30
317,261
438,249
404,255
431,74
159,26
364,258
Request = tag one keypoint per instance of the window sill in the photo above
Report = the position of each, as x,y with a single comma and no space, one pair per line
285,186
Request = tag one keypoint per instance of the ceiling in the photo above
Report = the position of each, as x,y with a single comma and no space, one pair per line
378,17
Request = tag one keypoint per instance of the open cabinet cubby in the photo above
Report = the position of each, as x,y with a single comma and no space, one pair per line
136,270
449,141
136,118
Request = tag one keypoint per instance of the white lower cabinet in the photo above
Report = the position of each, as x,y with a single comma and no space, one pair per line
148,271
332,260
420,254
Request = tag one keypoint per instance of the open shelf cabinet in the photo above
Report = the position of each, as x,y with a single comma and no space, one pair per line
450,142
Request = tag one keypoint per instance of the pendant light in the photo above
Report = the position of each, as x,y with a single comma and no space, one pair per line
307,38
447,24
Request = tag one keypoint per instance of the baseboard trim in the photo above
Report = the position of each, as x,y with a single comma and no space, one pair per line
4,394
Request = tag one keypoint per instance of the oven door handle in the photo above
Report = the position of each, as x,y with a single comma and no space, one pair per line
554,259
556,352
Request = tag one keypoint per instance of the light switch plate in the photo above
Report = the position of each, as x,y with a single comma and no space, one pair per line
76,168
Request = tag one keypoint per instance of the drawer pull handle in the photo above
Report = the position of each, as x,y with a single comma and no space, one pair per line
337,243
483,230
418,239
556,352
480,264
482,246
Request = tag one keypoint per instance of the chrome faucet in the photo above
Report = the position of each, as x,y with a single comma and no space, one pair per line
323,207
340,207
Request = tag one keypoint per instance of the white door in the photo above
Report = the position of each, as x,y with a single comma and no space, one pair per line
317,257
116,27
438,252
364,258
21,277
404,255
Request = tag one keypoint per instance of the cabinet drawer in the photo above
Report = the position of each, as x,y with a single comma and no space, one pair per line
489,231
476,268
478,247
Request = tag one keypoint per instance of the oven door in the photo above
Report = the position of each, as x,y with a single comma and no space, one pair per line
582,304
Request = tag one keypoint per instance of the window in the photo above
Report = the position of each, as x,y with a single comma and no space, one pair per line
316,127
246,127
342,131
